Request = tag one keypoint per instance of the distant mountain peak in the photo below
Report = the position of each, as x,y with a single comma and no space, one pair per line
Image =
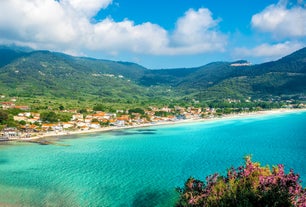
297,55
16,48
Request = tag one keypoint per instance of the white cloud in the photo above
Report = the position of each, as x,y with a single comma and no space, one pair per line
197,32
126,36
66,25
268,51
88,7
35,21
280,21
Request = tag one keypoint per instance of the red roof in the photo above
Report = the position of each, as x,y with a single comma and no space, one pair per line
7,103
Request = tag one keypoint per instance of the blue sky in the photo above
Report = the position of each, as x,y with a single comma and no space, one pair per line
158,34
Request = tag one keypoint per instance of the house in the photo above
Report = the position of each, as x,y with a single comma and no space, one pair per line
10,132
180,109
28,117
29,128
84,127
77,117
51,127
150,113
71,111
35,115
24,108
166,109
171,118
67,125
26,114
124,118
7,105
99,116
153,108
136,116
110,115
188,115
119,123
20,118
33,120
194,110
88,119
81,124
32,127
95,125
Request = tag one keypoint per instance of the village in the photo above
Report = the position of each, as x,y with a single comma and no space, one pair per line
32,125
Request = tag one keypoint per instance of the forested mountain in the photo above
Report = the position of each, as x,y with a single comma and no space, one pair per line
43,73
284,77
26,73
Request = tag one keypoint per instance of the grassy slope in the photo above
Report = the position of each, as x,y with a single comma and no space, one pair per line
54,75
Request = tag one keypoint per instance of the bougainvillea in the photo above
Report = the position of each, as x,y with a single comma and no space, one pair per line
248,185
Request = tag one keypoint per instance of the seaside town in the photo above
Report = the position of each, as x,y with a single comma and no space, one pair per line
29,125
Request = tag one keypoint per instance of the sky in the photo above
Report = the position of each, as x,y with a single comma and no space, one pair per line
158,34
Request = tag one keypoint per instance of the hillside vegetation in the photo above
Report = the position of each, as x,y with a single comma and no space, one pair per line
47,75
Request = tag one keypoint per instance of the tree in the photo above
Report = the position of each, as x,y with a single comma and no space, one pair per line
22,122
49,117
94,120
14,111
83,111
161,113
3,116
64,117
137,110
37,123
99,107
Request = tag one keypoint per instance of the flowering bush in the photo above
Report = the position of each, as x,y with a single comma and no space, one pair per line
249,185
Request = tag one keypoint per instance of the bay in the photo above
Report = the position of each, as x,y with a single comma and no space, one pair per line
142,167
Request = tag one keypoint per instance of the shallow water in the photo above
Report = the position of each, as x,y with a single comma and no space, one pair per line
142,167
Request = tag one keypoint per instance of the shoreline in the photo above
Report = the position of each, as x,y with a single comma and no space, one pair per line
62,134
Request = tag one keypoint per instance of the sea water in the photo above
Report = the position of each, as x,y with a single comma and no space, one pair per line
142,167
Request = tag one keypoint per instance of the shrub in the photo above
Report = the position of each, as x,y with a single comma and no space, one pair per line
248,185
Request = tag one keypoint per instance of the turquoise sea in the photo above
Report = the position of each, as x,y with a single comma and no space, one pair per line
142,167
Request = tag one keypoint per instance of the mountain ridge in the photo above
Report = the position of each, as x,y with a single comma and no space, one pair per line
44,73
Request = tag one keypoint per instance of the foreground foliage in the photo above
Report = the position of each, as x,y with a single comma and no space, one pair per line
249,185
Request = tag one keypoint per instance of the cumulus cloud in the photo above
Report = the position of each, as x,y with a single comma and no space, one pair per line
35,22
197,31
88,8
126,36
269,51
281,21
66,25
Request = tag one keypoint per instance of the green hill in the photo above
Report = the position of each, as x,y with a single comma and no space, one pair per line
285,77
32,74
56,75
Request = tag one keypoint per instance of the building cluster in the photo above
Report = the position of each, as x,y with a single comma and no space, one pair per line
31,122
96,120
11,105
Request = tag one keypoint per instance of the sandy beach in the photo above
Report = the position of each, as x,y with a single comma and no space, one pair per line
60,134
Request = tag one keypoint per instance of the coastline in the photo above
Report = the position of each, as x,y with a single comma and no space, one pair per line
61,134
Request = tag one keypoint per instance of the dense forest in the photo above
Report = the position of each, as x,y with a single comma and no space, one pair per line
38,76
